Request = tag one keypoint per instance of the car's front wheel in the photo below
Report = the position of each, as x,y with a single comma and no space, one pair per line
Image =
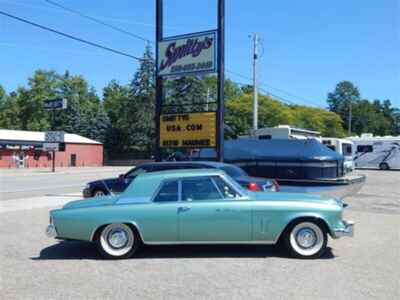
384,166
306,239
117,241
99,193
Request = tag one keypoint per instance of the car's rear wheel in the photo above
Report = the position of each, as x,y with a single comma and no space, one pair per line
99,193
306,239
118,241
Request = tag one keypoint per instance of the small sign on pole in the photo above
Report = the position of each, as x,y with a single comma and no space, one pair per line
50,146
54,137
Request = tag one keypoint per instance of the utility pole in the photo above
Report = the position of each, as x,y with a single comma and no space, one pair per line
350,117
255,87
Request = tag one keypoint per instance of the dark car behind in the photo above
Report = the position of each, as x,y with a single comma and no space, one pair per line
119,184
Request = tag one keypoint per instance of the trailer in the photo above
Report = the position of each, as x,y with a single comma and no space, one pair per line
377,152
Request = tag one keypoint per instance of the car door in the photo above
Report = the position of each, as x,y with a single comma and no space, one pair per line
211,210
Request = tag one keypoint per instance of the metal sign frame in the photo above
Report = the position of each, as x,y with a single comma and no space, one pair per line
220,45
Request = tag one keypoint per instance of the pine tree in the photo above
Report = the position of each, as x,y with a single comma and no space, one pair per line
141,105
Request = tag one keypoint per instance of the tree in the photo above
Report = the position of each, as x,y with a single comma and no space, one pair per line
141,105
116,100
272,113
346,94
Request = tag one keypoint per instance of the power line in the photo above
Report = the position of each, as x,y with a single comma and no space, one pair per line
276,97
306,101
70,36
98,21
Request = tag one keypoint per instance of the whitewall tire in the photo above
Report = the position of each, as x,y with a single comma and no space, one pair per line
306,239
117,241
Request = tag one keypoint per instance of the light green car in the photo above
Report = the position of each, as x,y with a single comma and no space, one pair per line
200,207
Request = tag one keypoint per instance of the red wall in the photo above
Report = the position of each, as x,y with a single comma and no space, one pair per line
87,155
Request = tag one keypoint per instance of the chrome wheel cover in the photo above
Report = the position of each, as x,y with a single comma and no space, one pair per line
117,239
307,238
99,194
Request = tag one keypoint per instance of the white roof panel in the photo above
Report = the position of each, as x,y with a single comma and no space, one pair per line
38,136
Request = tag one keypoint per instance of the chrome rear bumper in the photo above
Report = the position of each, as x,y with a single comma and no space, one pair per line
348,230
51,231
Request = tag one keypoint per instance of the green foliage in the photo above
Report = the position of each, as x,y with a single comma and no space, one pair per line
377,117
272,113
124,119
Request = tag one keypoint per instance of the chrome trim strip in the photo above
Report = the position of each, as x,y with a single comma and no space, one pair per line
211,243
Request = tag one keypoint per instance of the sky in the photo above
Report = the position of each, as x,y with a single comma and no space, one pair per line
307,46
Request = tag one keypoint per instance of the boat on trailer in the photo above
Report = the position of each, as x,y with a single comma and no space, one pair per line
298,165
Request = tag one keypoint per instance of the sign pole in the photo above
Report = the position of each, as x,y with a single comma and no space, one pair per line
159,83
53,123
221,79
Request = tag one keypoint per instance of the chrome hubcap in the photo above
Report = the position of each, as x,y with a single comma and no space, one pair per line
117,238
306,238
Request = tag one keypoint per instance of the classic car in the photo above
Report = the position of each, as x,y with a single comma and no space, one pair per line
118,185
204,206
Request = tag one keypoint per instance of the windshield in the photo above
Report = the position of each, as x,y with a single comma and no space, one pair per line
236,185
233,171
347,149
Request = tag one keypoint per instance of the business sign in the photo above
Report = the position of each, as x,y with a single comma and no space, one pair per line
54,137
191,130
192,53
50,147
58,103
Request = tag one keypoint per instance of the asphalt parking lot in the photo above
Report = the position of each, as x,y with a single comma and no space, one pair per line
364,267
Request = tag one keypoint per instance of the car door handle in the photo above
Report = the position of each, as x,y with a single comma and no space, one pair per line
182,209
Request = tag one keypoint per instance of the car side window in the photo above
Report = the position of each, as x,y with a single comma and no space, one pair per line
226,190
168,192
200,188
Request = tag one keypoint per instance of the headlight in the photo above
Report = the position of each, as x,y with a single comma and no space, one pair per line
87,186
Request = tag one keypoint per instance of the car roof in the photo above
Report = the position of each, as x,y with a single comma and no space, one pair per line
211,164
182,173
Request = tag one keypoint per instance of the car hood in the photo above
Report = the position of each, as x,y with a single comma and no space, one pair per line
91,202
298,197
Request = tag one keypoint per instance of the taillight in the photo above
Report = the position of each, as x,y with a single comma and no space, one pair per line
252,186
277,187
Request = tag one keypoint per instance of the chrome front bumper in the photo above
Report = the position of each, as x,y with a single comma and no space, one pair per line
51,231
348,230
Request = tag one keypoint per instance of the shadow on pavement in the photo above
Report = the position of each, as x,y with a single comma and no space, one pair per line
86,250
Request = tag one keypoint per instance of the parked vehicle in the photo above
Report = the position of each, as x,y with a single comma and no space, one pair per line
377,152
344,147
199,207
118,185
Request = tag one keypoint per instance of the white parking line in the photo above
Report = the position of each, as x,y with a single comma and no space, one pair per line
36,202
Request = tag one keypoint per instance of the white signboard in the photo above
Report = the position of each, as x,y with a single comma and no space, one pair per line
192,53
54,137
50,146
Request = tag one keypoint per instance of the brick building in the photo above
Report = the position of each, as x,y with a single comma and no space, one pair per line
24,149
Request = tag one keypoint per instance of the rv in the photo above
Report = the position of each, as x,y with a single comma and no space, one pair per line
284,132
377,152
344,147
